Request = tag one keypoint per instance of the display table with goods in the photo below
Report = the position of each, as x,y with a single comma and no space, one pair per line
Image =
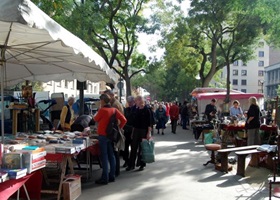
20,163
56,148
200,126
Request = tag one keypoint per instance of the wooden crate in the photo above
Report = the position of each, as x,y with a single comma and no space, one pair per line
72,187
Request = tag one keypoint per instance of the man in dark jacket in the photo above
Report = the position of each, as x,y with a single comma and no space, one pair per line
211,110
82,122
185,115
129,114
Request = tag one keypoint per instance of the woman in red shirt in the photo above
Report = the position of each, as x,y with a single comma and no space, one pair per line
105,144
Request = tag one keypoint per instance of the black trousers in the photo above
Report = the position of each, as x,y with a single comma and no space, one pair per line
128,140
173,125
137,136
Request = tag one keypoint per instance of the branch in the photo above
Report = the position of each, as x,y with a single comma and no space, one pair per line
134,73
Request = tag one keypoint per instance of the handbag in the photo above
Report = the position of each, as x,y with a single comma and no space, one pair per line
148,151
112,130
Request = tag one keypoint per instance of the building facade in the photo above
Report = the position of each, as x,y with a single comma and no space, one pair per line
272,80
249,77
69,88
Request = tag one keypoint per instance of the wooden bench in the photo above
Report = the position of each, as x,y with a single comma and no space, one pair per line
224,155
241,160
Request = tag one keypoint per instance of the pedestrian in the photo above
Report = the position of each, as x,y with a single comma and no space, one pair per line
141,130
115,104
161,119
211,110
174,116
253,122
129,113
167,111
185,115
67,117
105,144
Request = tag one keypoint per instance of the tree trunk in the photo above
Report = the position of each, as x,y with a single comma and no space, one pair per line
206,80
227,99
128,86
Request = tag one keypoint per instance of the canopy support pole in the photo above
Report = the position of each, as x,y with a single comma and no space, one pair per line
2,96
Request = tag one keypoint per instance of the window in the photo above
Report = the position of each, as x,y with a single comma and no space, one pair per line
235,63
243,72
49,83
243,82
261,53
260,72
260,91
59,84
260,82
244,64
261,44
234,82
243,90
235,72
71,85
261,63
66,84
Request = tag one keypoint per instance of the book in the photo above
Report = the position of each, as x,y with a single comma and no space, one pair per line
15,172
17,177
30,148
3,174
65,149
37,165
4,179
12,160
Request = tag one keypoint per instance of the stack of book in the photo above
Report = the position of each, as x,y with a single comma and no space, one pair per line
33,158
14,173
3,176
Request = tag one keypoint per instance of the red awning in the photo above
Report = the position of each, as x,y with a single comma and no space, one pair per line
222,95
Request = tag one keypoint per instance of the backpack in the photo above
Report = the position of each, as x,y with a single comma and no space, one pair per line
112,130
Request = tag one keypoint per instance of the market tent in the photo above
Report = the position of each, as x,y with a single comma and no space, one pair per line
204,98
200,90
35,47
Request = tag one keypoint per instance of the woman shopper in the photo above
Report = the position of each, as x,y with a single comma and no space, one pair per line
161,119
141,129
253,122
105,144
236,110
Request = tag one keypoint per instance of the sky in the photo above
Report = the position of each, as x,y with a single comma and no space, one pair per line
147,41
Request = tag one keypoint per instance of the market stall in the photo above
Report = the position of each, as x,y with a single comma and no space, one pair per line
202,99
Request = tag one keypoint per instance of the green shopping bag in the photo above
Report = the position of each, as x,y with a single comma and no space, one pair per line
148,151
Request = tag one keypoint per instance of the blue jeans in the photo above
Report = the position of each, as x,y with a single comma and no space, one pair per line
107,154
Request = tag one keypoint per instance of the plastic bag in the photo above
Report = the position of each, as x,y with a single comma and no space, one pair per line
148,151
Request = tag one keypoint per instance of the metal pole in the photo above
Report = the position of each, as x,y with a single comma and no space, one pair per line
2,102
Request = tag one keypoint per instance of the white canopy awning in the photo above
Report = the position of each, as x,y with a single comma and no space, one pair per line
35,47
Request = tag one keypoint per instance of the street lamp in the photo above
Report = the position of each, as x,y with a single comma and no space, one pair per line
120,86
261,82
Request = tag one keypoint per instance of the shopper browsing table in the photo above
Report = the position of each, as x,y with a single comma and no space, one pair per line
253,122
105,144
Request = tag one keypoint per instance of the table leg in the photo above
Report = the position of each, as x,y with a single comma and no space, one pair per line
62,175
70,163
26,193
241,164
224,161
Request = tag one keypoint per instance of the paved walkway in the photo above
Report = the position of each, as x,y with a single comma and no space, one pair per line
178,174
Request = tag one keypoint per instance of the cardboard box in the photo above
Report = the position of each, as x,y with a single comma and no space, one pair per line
72,187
